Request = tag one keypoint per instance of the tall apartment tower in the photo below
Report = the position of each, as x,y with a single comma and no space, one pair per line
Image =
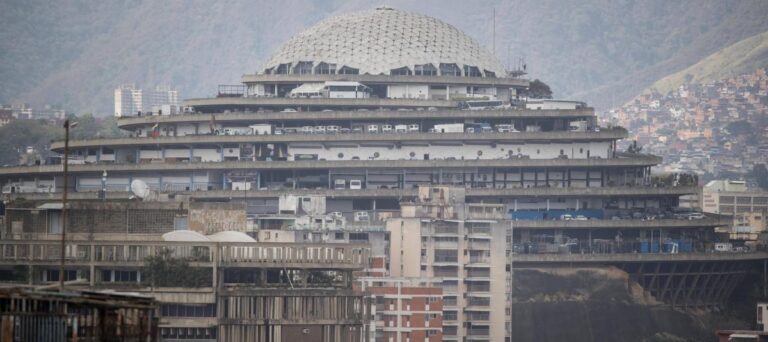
128,100
162,98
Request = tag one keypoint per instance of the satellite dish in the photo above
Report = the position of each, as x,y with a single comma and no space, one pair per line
140,189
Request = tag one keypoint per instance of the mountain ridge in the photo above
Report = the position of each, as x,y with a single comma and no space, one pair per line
745,56
75,53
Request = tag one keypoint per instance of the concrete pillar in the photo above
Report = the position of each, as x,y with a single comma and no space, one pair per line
92,265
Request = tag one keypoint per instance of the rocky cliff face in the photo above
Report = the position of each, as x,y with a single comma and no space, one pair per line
601,304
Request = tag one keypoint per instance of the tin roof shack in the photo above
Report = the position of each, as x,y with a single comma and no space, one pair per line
28,315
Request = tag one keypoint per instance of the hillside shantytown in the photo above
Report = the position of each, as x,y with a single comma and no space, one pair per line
383,177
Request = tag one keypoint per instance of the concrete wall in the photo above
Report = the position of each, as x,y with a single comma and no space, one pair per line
405,247
408,91
497,151
207,154
211,217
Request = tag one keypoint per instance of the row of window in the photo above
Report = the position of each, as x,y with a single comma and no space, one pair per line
186,310
322,68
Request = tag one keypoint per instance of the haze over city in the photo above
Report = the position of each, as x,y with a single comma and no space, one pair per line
349,171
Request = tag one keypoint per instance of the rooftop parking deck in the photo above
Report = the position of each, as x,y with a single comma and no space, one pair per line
533,259
404,138
218,104
637,160
385,79
130,122
622,224
648,192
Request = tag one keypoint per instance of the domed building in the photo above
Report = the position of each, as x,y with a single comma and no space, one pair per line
379,133
384,41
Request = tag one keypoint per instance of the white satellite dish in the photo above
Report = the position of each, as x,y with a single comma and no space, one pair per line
140,189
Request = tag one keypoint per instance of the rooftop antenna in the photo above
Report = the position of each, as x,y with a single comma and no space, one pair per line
494,32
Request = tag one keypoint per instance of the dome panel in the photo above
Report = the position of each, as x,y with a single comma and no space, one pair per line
377,41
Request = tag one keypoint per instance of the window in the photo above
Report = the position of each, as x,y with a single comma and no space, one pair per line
339,236
472,71
302,68
404,71
188,310
325,69
345,70
283,68
450,69
425,70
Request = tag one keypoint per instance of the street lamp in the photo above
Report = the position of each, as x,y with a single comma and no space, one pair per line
67,126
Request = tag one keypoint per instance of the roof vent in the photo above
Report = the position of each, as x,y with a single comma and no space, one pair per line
384,8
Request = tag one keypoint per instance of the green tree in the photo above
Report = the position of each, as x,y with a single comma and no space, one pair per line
166,270
539,90
760,174
17,135
742,127
109,129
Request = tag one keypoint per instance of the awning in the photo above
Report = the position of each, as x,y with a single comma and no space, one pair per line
308,88
51,206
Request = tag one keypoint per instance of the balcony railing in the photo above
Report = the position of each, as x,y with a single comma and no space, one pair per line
283,254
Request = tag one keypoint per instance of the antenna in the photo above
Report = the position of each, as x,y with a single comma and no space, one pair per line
494,32
140,189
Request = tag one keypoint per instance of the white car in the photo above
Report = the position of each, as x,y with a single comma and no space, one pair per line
413,128
319,129
373,128
288,110
332,129
401,128
386,128
306,129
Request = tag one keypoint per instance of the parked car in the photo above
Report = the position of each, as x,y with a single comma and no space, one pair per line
307,129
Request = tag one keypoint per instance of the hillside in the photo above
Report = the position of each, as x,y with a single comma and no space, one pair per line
74,53
743,57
